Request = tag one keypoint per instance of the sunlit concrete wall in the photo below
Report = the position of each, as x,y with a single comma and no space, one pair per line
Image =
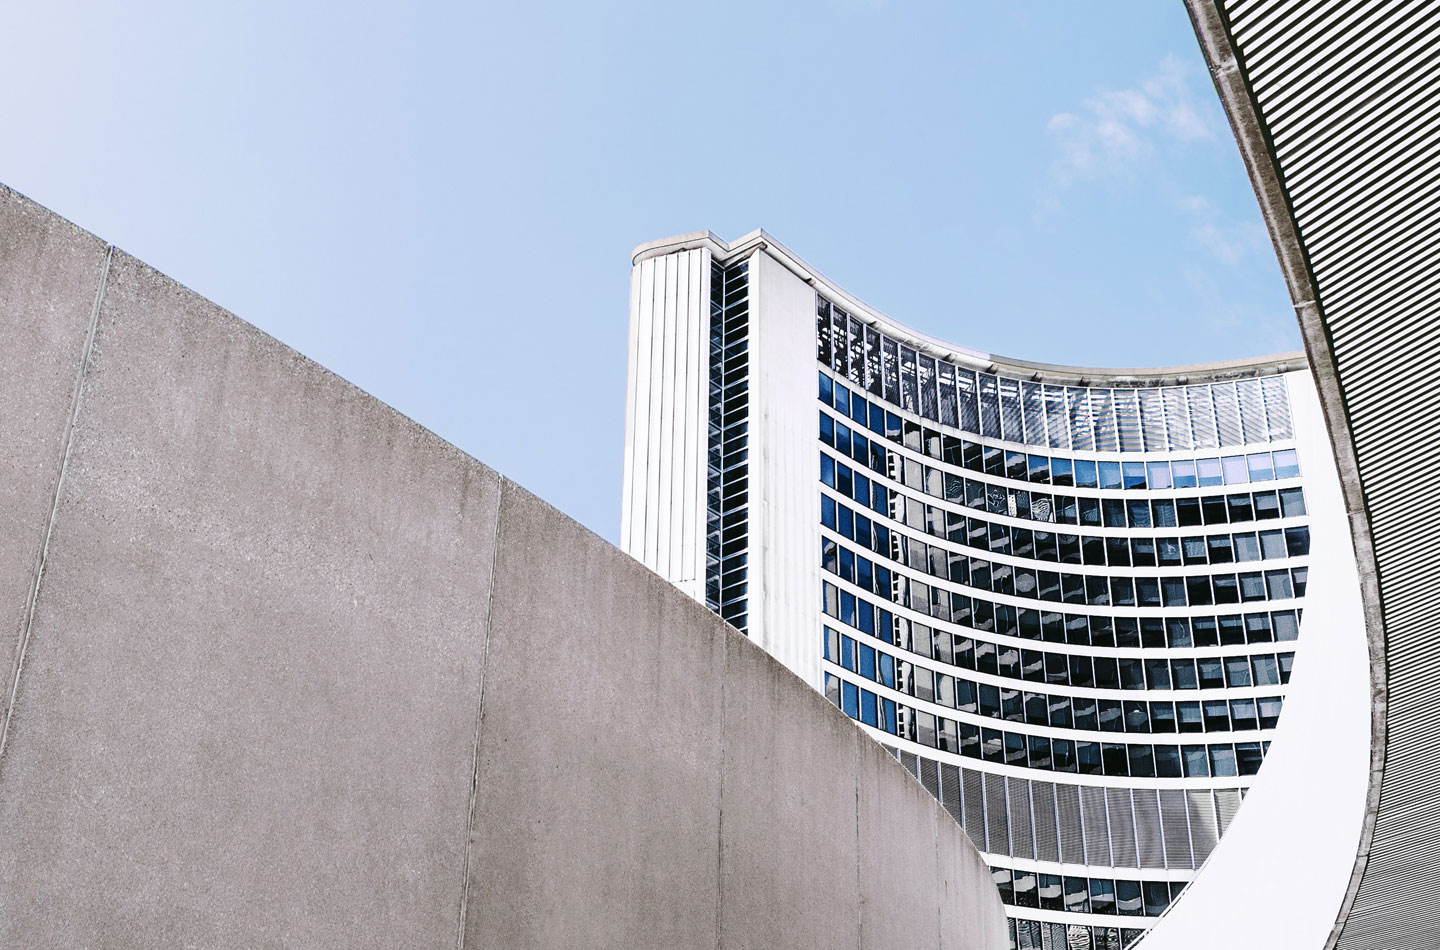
288,670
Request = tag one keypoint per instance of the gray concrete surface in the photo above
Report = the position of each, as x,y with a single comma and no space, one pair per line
300,674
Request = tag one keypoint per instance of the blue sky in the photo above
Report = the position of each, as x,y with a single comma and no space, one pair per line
438,201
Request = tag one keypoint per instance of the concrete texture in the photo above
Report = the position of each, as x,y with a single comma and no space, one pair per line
301,674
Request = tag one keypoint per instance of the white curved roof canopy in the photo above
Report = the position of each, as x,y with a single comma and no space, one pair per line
1336,109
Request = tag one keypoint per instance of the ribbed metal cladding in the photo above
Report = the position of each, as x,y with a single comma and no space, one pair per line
1337,112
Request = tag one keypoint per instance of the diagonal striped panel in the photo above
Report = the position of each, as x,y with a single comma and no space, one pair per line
1336,109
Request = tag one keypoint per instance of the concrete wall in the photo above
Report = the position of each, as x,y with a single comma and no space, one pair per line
291,671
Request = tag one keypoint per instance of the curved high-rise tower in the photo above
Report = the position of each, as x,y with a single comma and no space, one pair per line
1069,600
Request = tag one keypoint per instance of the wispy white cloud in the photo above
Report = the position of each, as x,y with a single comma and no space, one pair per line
1227,240
1113,132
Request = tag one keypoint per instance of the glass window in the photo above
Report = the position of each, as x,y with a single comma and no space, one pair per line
1085,476
1077,895
1236,472
1133,474
1209,472
1248,757
1278,584
867,707
1246,547
1184,474
1110,475
1128,898
1157,898
1158,475
1287,464
1025,895
1039,468
1167,761
1203,632
1212,672
1197,761
1259,466
1242,714
1232,631
1237,671
1061,472
1102,896
1183,673
1051,892
1162,717
1189,717
1266,671
1269,708
1292,502
1240,507
1222,760
1285,625
1164,513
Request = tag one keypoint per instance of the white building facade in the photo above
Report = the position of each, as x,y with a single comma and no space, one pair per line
1070,601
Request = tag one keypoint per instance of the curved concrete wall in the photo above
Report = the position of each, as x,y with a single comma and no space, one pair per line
291,671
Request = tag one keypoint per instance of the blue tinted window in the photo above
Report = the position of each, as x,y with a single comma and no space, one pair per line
850,699
842,399
826,390
1158,474
1287,464
867,707
1109,474
1085,476
1184,474
1259,465
1134,474
867,661
1208,471
1236,472
827,470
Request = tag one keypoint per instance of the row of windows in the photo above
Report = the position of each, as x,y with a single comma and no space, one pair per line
1207,415
1233,508
1058,821
1096,630
1042,935
1095,590
1080,895
1057,470
1079,629
1078,712
1060,547
1022,750
1077,669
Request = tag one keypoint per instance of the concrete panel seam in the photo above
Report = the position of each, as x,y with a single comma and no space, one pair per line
720,801
479,716
33,598
859,857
